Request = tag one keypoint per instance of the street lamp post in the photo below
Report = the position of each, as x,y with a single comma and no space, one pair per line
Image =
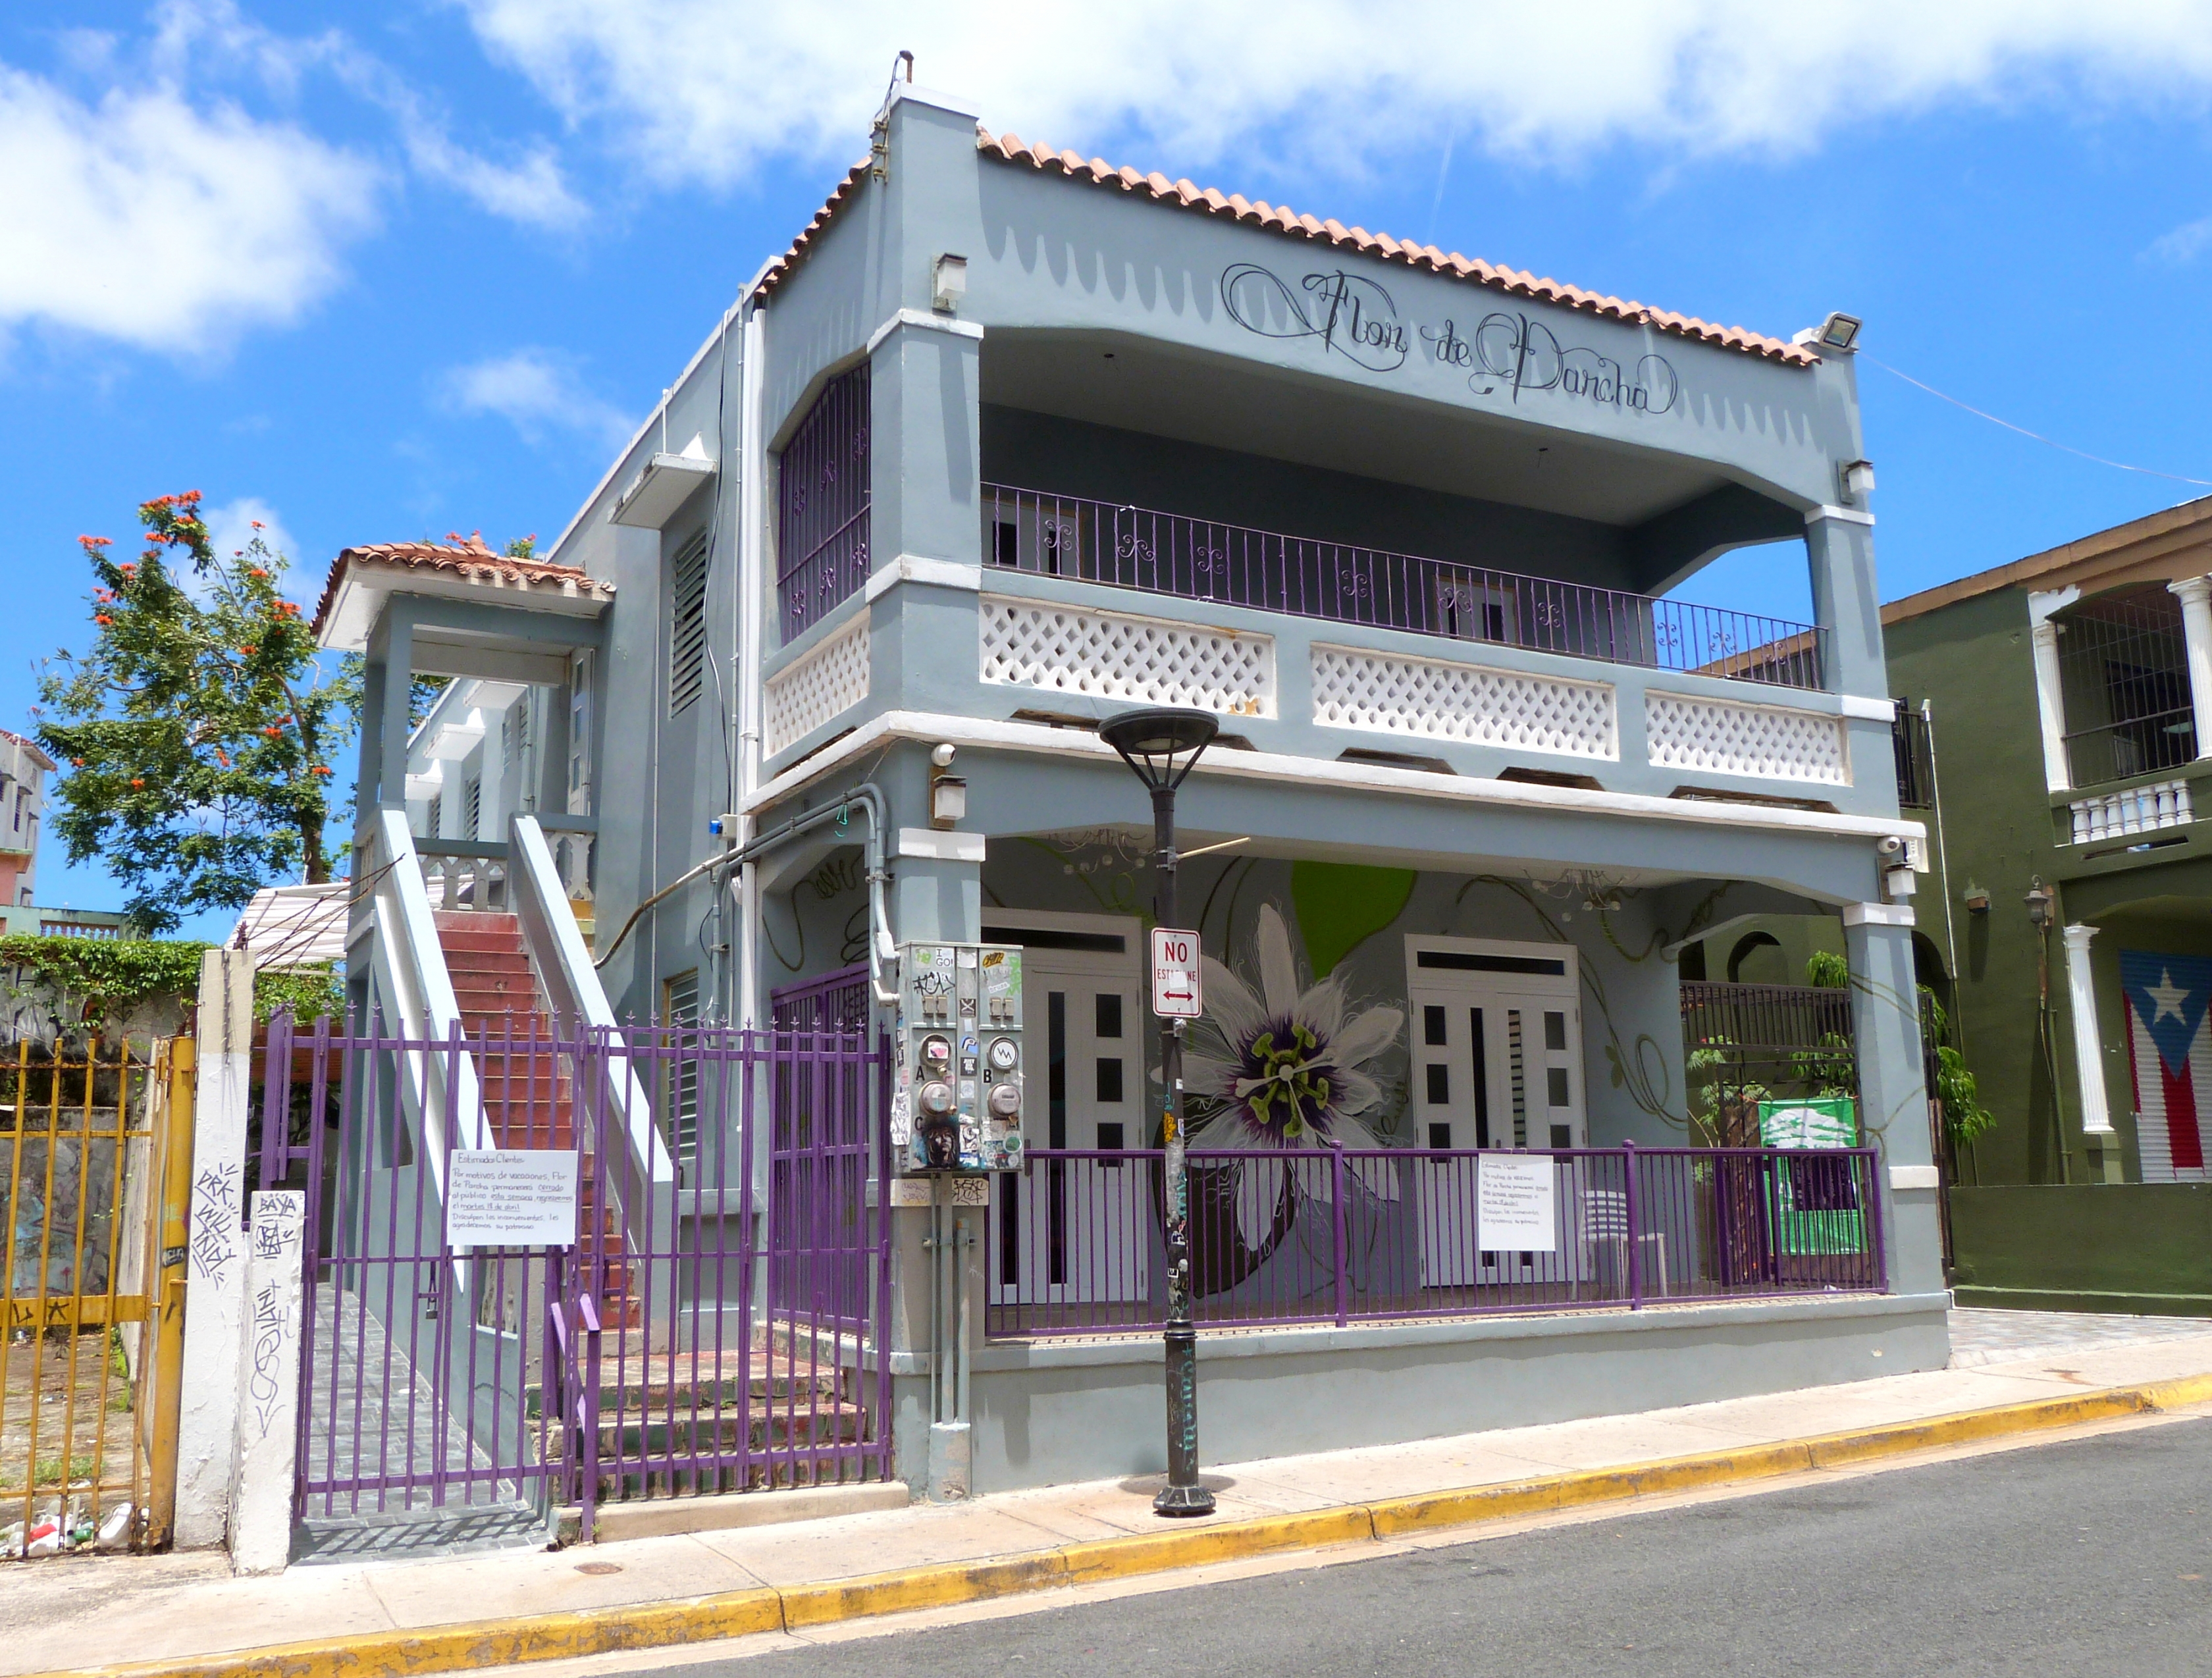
1162,746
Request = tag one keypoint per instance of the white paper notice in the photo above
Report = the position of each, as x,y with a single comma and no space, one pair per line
1516,1201
511,1197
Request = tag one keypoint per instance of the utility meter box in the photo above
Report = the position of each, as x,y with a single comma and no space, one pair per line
959,1095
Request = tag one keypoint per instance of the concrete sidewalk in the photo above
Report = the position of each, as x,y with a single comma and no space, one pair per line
72,1613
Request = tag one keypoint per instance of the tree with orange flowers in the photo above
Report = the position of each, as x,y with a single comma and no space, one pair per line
195,734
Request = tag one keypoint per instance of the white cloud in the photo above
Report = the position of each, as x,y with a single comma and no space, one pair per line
146,220
701,89
538,391
2184,243
234,525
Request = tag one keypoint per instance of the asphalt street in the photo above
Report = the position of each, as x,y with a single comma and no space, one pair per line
2093,1558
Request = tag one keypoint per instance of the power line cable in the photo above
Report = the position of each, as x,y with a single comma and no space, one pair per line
2119,465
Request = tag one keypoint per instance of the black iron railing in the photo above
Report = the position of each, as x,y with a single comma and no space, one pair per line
1202,559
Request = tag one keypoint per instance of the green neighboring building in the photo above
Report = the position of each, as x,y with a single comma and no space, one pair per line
2068,744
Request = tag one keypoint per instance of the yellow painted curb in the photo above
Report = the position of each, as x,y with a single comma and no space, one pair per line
1223,1540
911,1588
405,1654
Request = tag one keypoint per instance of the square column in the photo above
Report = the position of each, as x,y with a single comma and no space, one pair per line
1892,1089
1846,604
2195,596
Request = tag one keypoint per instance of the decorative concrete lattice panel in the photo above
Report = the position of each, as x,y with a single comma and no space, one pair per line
1433,700
803,695
1772,742
2137,810
1104,655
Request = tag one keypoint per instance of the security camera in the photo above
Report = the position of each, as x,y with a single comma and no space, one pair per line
1892,845
942,756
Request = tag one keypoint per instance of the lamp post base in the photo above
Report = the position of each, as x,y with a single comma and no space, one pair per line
1178,1501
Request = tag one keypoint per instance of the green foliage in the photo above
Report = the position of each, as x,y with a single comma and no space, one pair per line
196,734
1828,971
306,991
113,975
1964,1115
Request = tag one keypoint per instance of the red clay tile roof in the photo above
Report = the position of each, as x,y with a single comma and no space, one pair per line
470,560
1281,219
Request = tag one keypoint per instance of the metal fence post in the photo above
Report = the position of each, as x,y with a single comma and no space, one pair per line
1635,1230
587,1311
1343,1278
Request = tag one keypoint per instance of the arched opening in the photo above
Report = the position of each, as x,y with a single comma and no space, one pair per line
1748,965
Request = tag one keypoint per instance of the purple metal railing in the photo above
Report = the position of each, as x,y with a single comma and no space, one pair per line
639,1362
824,492
1203,559
1346,1236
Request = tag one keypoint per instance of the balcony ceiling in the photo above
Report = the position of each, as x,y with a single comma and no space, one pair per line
1140,386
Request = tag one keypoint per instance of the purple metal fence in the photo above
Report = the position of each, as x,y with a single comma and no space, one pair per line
1343,1235
1203,559
639,1362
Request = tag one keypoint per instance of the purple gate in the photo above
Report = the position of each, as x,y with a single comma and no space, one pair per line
639,1361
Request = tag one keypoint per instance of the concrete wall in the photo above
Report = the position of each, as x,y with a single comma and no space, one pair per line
2137,1247
1048,1413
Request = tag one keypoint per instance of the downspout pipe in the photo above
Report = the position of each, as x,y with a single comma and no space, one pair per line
869,799
752,596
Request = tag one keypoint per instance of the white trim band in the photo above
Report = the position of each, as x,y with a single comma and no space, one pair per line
929,844
1867,711
1914,1177
927,322
1878,915
1842,515
913,568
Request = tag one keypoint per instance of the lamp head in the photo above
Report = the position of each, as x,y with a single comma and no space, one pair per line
1161,744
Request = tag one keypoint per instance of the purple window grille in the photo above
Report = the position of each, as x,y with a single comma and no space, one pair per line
822,529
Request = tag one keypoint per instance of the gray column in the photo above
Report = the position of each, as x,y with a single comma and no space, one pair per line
1846,604
1892,1091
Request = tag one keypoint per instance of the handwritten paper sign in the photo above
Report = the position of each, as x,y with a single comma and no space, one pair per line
511,1197
1515,1199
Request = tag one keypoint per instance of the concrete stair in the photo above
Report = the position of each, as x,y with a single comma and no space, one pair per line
529,1099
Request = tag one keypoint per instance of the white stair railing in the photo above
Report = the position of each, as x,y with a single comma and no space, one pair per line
540,904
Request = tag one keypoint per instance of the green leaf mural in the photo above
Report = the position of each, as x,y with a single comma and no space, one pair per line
1340,904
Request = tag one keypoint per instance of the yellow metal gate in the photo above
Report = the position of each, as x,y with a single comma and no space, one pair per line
96,1167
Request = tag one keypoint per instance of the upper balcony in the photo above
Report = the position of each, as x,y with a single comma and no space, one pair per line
1352,572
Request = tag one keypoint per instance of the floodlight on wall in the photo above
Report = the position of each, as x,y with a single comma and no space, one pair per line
1840,333
950,282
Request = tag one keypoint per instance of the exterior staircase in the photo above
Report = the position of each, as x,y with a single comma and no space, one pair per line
663,1419
529,1096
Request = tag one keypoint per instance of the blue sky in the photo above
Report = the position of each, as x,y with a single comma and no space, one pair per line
379,272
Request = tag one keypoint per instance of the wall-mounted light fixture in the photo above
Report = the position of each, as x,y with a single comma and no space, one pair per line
1857,479
2039,898
950,282
1977,899
1840,333
948,793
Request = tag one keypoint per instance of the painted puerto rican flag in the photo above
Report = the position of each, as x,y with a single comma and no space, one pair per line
2170,1050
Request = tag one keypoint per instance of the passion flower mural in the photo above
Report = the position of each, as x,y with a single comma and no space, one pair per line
1279,1070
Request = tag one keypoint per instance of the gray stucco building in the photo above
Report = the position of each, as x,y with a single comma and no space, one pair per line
1009,441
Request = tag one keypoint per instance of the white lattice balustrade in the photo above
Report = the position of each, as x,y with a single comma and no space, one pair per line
1722,737
1106,655
1435,700
804,695
2136,810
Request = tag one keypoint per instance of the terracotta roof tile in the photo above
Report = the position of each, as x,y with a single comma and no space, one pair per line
1208,200
472,559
